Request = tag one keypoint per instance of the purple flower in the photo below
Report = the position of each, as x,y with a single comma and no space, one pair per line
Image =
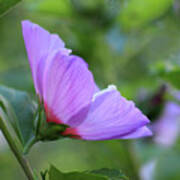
147,171
166,129
70,96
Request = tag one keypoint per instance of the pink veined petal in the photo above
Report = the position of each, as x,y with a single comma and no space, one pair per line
68,87
110,116
39,43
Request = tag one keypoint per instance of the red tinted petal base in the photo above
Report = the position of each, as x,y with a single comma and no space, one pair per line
71,132
51,117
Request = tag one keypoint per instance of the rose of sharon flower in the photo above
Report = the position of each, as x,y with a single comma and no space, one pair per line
166,129
70,96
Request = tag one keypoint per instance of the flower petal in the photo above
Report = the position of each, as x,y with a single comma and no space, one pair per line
110,116
169,122
68,87
139,133
39,43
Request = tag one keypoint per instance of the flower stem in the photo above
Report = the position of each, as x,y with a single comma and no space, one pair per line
29,144
20,158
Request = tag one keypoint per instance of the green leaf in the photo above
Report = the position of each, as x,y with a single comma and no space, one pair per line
102,174
136,13
52,7
22,112
6,5
55,174
112,174
167,166
169,72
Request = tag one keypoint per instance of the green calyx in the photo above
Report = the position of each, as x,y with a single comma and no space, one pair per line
47,131
43,130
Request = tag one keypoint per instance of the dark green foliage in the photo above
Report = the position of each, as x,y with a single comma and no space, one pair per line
55,174
169,72
102,174
112,174
5,5
23,109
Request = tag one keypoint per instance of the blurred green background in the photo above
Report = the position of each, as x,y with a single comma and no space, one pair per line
125,42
